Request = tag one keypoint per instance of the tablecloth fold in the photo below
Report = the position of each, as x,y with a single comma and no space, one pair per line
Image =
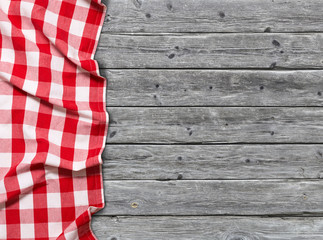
53,118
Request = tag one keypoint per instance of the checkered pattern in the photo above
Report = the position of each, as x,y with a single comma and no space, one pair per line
53,118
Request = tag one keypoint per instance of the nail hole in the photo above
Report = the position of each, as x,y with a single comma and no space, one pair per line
113,134
276,43
268,29
273,65
221,14
172,55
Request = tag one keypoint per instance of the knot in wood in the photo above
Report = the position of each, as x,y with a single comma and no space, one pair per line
134,205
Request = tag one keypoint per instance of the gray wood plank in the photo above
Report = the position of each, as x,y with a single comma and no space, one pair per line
213,88
263,50
214,16
215,125
213,197
212,162
206,228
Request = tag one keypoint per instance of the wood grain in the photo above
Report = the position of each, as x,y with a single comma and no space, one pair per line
213,16
215,109
164,162
215,125
211,50
206,228
129,87
213,197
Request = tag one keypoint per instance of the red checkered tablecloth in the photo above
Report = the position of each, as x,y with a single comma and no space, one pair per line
53,118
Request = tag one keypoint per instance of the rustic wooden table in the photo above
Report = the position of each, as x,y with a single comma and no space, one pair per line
216,120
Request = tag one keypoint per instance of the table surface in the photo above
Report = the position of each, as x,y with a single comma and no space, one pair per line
216,120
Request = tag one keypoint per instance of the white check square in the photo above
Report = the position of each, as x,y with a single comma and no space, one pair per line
83,3
3,231
53,200
73,235
78,165
28,157
26,8
77,27
29,131
81,198
5,28
82,141
5,102
7,55
51,17
6,131
2,188
25,179
5,160
54,229
55,136
4,6
82,94
31,87
27,231
51,171
32,103
26,201
59,111
56,91
57,63
32,59
29,34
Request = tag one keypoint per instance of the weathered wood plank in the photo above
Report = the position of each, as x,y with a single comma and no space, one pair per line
206,228
209,197
267,51
212,162
213,16
215,125
213,88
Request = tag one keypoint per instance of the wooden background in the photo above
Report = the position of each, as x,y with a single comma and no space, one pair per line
216,120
